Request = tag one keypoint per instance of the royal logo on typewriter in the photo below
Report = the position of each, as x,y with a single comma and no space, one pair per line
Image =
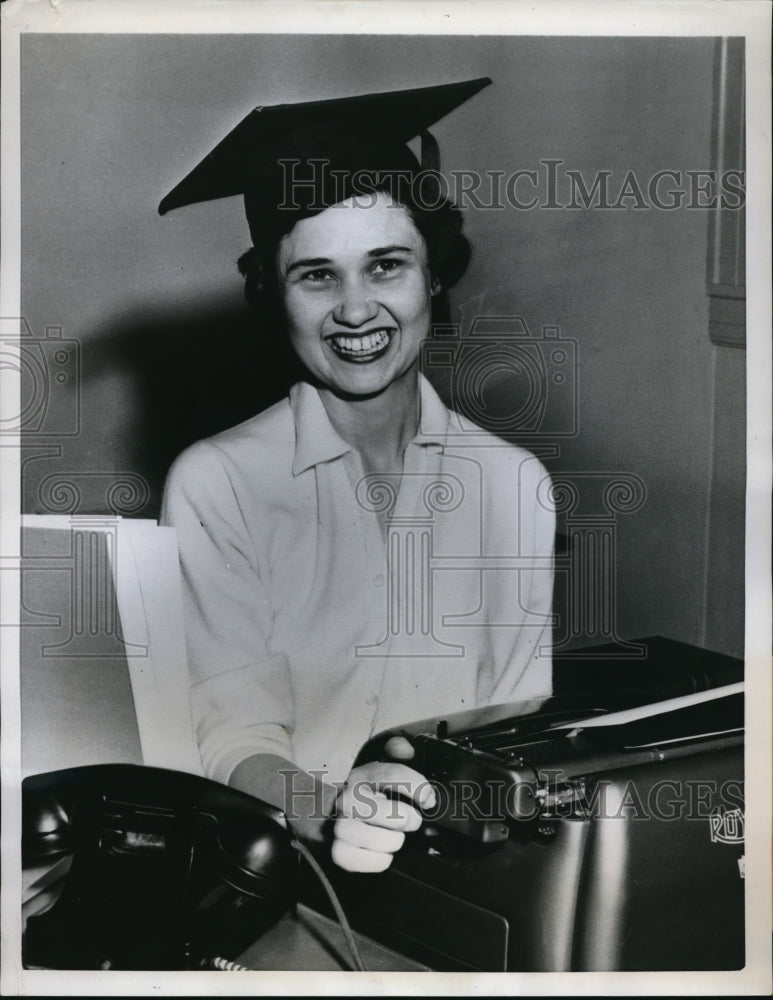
726,826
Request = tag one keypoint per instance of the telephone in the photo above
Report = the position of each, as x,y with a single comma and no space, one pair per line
169,871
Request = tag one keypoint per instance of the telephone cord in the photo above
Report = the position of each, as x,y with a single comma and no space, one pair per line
223,965
359,965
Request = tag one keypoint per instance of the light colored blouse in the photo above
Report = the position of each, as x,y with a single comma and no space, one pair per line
309,629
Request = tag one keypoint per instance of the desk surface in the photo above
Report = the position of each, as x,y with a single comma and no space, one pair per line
305,941
302,941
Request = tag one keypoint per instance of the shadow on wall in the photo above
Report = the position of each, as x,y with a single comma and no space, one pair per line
195,373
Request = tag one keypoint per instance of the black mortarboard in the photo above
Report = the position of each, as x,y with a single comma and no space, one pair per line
290,143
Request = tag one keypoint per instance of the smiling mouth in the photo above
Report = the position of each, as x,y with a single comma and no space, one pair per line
364,347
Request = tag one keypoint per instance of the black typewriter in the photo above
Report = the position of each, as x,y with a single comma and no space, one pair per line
601,830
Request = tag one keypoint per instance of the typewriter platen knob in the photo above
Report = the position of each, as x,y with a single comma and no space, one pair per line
477,794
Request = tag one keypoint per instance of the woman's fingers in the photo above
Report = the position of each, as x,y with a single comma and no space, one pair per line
372,838
399,748
361,847
374,811
362,802
396,779
357,859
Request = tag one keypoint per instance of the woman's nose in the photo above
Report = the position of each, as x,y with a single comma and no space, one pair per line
354,306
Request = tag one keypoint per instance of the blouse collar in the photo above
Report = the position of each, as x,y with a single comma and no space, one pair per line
317,441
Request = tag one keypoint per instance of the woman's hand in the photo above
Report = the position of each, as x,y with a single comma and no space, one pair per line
376,809
399,748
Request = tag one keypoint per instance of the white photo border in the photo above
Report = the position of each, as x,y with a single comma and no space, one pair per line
749,18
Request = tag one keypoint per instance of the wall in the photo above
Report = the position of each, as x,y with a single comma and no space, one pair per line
111,123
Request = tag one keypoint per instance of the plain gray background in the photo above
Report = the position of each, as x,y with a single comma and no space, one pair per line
111,123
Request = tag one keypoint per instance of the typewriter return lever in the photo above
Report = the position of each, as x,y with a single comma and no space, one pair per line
476,792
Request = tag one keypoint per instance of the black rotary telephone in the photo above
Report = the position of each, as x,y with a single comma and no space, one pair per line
169,871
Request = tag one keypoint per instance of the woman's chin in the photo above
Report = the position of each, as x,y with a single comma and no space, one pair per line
360,388
365,384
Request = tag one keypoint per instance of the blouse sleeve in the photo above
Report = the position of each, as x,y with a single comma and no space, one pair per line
241,696
527,672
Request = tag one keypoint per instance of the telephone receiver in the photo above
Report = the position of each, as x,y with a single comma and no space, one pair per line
169,871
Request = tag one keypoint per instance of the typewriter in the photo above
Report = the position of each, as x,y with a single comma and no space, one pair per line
602,831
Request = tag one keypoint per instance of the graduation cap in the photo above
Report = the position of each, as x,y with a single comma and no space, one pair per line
292,160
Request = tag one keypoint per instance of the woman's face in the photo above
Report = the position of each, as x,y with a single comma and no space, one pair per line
355,285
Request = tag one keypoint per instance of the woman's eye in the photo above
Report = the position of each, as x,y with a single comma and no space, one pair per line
318,276
387,266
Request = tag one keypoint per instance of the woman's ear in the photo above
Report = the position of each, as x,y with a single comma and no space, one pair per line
435,286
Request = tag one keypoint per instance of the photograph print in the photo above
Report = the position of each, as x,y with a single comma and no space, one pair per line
381,447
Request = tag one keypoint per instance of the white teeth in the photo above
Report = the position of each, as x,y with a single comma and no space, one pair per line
361,345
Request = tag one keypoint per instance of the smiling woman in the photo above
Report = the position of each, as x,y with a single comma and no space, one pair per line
357,314
315,615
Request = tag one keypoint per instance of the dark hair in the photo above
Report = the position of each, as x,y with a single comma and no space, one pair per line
440,225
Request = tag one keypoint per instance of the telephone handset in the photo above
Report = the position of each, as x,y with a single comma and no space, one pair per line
169,870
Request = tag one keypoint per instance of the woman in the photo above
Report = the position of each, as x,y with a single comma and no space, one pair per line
328,545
